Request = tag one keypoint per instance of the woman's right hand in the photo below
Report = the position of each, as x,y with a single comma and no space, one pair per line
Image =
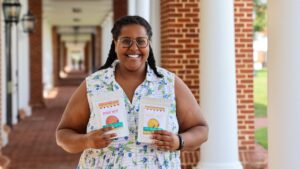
99,138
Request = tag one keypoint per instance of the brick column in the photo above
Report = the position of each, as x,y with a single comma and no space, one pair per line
86,57
55,42
61,55
120,8
36,85
244,73
93,52
180,50
98,47
65,56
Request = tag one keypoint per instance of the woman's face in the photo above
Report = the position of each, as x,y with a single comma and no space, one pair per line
132,47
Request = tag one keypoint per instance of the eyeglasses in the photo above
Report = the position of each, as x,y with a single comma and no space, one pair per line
141,42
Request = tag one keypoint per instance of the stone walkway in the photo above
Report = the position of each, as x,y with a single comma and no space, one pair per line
261,122
32,144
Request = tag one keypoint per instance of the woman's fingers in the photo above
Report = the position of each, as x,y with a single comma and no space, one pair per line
162,132
108,136
104,130
162,137
100,138
164,140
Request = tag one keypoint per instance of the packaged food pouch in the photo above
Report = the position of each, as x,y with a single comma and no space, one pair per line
109,110
153,116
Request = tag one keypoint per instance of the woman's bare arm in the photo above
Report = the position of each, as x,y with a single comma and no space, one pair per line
71,131
192,125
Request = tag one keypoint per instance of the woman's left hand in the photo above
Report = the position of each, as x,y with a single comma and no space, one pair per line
165,140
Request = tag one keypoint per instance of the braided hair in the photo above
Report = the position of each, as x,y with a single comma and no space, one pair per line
116,30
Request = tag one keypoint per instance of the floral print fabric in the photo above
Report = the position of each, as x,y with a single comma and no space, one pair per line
127,152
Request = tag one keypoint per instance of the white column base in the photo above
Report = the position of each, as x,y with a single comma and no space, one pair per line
5,130
203,165
28,110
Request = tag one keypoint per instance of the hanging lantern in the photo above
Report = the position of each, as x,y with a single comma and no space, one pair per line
11,10
28,22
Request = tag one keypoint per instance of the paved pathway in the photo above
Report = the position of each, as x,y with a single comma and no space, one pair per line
261,122
32,141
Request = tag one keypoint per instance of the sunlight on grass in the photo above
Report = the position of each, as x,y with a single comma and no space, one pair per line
260,93
261,137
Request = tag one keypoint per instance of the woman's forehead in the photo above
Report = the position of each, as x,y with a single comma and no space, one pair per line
133,30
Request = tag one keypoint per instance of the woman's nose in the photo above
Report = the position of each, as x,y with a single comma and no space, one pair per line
134,45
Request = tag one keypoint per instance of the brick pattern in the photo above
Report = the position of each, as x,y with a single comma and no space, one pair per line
120,8
243,12
180,40
86,59
180,54
98,47
180,50
32,143
65,56
35,40
54,55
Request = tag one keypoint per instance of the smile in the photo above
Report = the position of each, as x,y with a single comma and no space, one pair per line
133,56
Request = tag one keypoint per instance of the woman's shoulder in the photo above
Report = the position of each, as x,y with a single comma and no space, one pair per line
165,72
100,74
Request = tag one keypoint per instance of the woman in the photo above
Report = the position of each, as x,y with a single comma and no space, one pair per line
130,69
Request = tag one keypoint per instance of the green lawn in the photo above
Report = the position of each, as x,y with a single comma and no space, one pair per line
260,93
261,137
260,105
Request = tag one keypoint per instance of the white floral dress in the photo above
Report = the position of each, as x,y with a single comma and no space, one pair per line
127,152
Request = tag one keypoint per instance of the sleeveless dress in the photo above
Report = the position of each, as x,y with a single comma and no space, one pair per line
127,152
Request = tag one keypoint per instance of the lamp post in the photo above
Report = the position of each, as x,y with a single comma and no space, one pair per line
11,10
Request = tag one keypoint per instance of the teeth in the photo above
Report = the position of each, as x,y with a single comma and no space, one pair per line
133,56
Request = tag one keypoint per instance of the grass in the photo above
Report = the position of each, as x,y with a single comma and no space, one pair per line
260,93
261,136
260,105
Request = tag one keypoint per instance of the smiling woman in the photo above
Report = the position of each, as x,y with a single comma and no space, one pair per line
160,113
133,56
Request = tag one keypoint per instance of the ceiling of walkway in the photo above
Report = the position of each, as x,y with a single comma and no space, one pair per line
75,19
76,12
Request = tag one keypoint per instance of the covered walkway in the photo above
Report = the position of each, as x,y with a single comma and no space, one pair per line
32,142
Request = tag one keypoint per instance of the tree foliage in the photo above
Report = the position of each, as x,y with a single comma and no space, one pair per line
260,10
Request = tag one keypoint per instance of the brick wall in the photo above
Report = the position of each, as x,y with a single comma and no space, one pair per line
98,47
120,8
86,55
180,40
35,40
244,70
180,50
55,42
65,55
180,54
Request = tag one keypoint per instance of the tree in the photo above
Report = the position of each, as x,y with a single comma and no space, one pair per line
260,11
